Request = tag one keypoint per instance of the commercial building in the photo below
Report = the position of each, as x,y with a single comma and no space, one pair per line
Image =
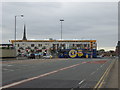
51,46
118,49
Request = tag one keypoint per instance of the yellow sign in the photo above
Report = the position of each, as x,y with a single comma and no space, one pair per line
80,53
72,53
86,55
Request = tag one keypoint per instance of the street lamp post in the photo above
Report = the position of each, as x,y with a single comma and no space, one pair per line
61,27
15,27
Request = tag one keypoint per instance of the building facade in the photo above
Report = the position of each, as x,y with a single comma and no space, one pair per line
118,49
52,46
60,48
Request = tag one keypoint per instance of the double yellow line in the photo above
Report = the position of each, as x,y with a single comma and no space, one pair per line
102,79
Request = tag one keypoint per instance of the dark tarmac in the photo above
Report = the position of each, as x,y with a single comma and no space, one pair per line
54,73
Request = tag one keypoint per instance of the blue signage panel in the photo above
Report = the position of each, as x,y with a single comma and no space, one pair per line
77,53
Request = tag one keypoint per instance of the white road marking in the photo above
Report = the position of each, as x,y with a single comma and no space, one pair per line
5,69
42,75
102,65
11,70
98,69
84,85
9,65
8,69
81,82
92,73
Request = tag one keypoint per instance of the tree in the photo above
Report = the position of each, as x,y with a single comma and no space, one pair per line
101,50
111,51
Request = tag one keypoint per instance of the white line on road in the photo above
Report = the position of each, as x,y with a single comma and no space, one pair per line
33,78
5,69
8,69
83,85
102,65
81,82
9,65
11,70
92,73
98,69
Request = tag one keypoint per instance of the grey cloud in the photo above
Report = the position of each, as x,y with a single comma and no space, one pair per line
88,20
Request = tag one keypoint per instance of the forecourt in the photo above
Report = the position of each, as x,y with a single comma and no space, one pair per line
54,73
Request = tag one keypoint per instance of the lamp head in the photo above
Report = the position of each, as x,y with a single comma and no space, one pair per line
61,20
22,15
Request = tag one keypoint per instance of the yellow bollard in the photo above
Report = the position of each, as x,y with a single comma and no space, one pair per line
50,57
86,55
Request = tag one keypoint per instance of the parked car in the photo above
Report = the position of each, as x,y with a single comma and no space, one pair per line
31,56
100,56
48,57
37,55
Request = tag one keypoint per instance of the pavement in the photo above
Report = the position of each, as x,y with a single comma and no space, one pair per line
56,73
112,79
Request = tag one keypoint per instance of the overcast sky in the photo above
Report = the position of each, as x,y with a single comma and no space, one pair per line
89,20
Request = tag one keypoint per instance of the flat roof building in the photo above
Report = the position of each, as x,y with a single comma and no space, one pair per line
36,46
118,49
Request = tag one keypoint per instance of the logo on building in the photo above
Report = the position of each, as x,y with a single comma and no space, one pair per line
80,53
72,53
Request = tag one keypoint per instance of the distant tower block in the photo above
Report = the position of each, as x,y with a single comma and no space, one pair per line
24,34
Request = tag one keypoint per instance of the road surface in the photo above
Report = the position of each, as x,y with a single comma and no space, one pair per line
54,73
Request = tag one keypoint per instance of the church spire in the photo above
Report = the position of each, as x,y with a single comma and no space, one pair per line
24,34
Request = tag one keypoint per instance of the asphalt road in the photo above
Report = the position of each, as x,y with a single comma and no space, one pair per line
50,73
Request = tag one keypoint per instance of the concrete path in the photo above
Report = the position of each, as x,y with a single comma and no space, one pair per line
112,80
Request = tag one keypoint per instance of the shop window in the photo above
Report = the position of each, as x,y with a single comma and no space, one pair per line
46,44
43,47
36,48
32,45
40,45
18,45
85,45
